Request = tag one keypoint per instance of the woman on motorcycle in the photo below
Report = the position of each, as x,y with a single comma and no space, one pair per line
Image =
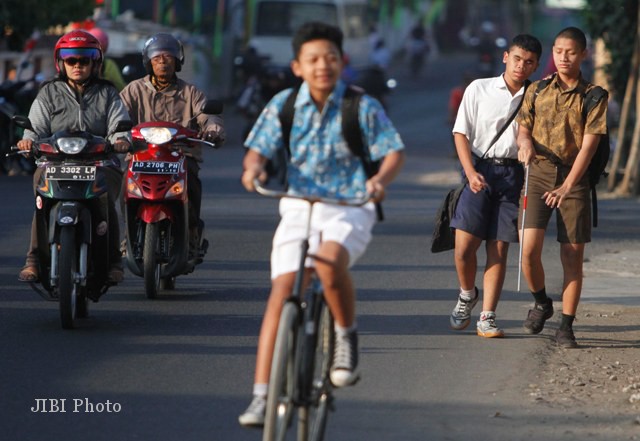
77,99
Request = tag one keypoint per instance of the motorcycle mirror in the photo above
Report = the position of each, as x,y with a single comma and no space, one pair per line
124,126
213,107
22,121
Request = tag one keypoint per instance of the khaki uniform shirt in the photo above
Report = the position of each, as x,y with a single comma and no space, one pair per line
556,123
178,104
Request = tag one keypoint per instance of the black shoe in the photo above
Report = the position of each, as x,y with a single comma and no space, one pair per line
534,323
345,360
566,339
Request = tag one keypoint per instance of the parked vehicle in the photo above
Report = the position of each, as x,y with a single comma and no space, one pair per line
275,22
72,218
156,204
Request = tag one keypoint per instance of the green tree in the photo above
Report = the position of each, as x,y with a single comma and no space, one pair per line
19,18
615,21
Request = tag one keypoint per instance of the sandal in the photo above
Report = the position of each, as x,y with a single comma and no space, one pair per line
29,274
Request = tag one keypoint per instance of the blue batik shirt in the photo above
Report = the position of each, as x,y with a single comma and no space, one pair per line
321,163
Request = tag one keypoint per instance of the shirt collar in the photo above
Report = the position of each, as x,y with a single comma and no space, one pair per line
581,85
304,96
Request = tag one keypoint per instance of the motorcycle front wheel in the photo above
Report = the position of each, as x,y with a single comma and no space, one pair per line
151,267
67,286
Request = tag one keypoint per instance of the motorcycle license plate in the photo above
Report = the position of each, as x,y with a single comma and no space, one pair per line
155,167
71,172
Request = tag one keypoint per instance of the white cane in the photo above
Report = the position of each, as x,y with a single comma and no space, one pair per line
524,213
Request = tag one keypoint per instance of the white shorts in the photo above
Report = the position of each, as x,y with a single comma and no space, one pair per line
349,226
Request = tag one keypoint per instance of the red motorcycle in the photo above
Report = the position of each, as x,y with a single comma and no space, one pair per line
156,204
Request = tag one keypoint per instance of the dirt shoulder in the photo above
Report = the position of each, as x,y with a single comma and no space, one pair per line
596,388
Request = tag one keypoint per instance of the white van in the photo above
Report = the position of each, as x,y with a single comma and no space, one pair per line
275,22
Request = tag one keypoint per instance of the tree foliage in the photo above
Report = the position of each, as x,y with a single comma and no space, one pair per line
19,18
615,21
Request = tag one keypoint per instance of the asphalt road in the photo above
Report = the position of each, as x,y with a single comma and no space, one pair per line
181,367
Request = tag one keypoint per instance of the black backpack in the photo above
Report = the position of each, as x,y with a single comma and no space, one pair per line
600,158
351,131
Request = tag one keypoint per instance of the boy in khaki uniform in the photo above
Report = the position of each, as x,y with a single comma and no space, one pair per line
557,145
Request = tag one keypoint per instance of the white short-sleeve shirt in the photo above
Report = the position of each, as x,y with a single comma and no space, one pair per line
486,106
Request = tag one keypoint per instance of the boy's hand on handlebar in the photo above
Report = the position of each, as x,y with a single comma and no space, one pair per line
376,190
250,175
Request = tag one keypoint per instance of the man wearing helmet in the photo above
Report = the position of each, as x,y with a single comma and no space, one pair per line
77,99
162,96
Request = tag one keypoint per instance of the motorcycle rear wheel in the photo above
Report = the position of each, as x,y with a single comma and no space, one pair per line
151,267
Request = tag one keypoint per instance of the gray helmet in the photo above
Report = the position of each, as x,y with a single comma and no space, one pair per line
162,43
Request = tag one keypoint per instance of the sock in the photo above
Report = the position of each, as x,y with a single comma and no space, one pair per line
567,321
260,389
341,331
483,314
541,296
468,294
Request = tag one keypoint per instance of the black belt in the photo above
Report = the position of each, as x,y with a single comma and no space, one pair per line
504,162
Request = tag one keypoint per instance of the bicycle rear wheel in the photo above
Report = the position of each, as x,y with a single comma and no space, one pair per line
283,377
312,418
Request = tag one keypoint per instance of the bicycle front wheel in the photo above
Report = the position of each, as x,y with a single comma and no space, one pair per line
282,380
315,413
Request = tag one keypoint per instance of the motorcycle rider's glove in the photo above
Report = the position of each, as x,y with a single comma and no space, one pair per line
213,137
122,145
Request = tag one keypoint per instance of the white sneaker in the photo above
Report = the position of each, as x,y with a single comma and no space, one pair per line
461,314
487,327
254,415
345,360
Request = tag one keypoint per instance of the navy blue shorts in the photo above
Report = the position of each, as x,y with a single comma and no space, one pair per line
493,212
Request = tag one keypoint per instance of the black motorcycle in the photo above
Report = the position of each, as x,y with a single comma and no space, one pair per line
72,218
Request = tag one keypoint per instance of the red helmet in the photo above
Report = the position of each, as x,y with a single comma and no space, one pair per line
102,37
78,43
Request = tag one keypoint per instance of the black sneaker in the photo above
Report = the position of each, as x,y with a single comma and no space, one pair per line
534,323
566,339
345,360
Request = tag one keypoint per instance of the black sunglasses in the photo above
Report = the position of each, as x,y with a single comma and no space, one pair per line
82,61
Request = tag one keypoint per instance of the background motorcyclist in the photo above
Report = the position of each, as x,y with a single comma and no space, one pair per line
110,70
162,96
77,99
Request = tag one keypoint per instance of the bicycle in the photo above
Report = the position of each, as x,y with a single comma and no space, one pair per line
303,350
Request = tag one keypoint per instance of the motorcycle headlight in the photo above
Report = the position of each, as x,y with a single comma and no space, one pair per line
71,146
157,135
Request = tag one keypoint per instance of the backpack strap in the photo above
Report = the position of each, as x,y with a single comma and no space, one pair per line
539,87
286,118
592,98
351,130
352,134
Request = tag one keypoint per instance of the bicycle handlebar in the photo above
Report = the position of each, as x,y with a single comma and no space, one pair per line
353,202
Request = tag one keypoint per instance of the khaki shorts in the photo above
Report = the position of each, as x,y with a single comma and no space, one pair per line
349,226
573,217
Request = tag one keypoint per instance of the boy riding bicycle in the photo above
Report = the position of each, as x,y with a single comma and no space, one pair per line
320,164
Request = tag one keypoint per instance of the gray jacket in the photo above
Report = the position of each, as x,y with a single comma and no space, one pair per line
58,107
